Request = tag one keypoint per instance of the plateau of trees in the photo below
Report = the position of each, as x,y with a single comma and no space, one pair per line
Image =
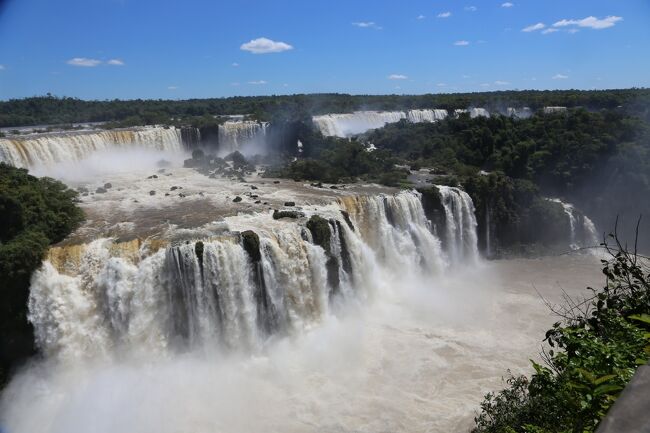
42,110
34,213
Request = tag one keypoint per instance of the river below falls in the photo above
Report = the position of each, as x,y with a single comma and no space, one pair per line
417,357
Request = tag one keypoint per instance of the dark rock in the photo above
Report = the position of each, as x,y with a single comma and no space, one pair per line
253,187
258,201
100,190
152,192
251,244
277,214
198,250
276,181
237,199
334,187
173,188
108,185
320,232
289,203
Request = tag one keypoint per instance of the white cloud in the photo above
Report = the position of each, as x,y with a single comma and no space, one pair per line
534,27
461,43
421,17
172,87
549,30
471,8
115,62
235,65
441,84
367,25
507,5
444,14
265,46
591,22
397,77
573,31
82,61
501,83
257,82
2,67
559,77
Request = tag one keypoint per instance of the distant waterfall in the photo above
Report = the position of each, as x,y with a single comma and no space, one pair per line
234,290
519,113
237,135
51,148
419,116
582,229
460,224
349,124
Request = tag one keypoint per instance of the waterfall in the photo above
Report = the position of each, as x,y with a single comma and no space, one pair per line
583,231
519,113
51,148
419,116
349,124
242,135
460,224
234,290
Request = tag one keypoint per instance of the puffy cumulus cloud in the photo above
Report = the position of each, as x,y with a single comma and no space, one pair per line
258,82
397,77
84,62
116,62
421,17
471,8
235,65
507,5
461,43
590,22
265,46
534,27
444,14
549,30
367,25
560,77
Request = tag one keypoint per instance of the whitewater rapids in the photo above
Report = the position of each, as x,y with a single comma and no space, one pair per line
418,358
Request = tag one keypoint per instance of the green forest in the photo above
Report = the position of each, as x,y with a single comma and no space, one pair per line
49,109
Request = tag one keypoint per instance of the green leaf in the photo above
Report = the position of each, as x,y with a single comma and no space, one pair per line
606,389
645,318
603,379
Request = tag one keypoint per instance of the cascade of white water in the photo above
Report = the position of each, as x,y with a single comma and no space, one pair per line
418,116
583,230
460,223
519,113
48,149
349,124
235,135
214,293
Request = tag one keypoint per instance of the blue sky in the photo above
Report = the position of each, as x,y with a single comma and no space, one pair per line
104,49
